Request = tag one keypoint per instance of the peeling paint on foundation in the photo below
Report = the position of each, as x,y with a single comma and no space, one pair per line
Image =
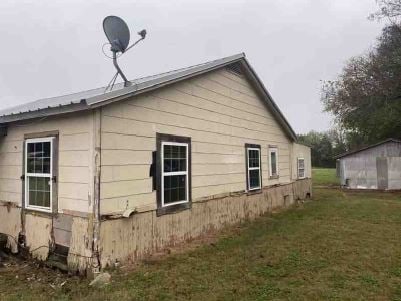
80,253
10,213
131,239
38,235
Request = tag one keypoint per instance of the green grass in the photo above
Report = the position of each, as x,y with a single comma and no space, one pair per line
325,177
341,246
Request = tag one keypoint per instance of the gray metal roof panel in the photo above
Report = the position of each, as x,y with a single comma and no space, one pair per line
366,147
97,97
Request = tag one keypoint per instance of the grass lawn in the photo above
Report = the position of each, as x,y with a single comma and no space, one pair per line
341,246
325,177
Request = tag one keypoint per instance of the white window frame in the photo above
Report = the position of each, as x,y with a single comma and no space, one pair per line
253,168
175,173
304,169
273,150
39,175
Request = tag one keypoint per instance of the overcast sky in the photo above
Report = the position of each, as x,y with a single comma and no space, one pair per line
53,47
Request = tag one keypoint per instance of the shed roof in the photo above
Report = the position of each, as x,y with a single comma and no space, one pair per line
367,147
97,97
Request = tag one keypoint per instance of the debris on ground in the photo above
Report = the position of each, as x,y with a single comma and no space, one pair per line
101,280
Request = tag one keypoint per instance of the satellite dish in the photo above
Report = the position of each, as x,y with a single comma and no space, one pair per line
117,33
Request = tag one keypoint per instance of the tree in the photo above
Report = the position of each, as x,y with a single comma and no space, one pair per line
388,9
324,145
366,97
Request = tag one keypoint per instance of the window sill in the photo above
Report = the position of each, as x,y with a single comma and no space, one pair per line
173,209
255,191
274,177
38,212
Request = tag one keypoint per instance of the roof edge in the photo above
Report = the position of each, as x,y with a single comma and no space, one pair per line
168,79
366,147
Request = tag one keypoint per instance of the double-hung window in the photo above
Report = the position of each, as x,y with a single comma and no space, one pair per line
174,172
253,165
301,168
39,173
273,162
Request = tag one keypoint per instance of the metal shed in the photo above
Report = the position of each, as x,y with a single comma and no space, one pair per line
377,166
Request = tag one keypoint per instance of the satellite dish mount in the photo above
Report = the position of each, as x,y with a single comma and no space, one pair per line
118,34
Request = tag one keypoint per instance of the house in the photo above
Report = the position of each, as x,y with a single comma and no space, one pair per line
377,166
111,177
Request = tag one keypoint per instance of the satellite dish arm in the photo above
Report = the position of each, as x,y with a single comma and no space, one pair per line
142,34
126,82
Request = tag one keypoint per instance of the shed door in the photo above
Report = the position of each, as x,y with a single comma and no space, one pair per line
382,173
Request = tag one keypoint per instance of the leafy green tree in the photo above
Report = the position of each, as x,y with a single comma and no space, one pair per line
323,147
366,98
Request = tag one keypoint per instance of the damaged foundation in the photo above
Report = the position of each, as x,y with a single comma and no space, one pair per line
131,239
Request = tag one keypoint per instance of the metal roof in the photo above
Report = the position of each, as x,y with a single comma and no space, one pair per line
367,147
97,97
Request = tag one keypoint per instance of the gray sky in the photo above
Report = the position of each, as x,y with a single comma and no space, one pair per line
53,47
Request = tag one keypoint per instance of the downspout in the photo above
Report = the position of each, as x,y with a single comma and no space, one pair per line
96,193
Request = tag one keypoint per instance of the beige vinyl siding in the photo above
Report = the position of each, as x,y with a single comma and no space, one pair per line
219,111
74,158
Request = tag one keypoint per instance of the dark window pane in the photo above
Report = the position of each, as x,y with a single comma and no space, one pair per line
32,183
167,198
39,149
32,197
174,189
182,195
175,152
183,152
31,165
253,154
254,179
38,168
46,200
183,165
38,157
46,165
46,149
174,158
39,191
31,149
175,165
174,195
273,163
253,158
167,165
167,151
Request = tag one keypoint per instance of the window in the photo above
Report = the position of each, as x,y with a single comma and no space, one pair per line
38,173
254,178
273,162
174,172
301,168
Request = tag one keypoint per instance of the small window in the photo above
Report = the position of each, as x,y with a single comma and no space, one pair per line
38,173
254,178
273,162
301,168
174,172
